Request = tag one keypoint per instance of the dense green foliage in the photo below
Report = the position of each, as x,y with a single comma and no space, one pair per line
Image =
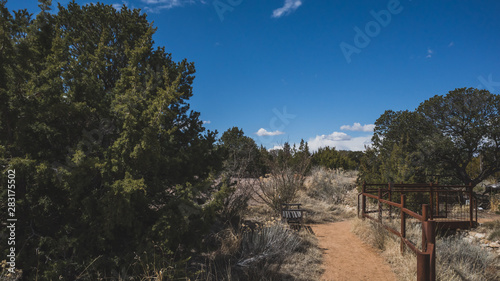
333,159
109,158
240,153
453,139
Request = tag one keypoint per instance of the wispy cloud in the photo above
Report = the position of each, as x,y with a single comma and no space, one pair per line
429,53
358,127
339,140
207,122
451,44
156,6
118,6
263,132
288,7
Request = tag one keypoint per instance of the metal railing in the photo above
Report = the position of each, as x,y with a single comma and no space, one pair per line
438,205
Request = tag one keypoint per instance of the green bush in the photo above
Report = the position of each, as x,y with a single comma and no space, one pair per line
109,159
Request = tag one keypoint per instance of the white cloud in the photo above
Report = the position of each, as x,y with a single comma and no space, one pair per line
276,147
155,2
358,127
118,7
339,140
263,132
337,136
288,7
207,122
429,53
155,6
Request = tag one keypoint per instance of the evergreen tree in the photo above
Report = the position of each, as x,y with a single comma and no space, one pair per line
109,158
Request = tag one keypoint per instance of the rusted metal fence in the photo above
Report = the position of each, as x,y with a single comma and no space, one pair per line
451,206
431,206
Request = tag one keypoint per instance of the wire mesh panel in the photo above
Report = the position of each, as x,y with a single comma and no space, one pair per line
450,206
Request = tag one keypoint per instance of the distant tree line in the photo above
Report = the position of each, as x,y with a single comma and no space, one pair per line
337,159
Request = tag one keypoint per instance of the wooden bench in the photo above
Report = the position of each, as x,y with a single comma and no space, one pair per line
291,213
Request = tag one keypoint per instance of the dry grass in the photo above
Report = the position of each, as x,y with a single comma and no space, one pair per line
457,259
319,211
331,186
494,230
269,252
491,229
495,203
329,195
265,249
404,266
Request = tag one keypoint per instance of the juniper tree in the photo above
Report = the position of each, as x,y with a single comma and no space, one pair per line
109,157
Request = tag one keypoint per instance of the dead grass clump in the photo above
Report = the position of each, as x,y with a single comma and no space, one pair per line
319,211
493,229
268,252
459,259
495,203
404,266
329,185
305,262
259,213
371,232
267,245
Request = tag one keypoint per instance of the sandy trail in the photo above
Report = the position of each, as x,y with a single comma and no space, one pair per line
345,257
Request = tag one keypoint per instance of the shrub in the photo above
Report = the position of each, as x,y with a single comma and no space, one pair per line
260,253
280,187
458,259
493,228
330,185
267,246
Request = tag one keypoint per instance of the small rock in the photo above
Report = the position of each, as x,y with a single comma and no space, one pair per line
494,245
480,235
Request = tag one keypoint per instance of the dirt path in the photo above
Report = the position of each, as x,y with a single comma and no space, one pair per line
347,258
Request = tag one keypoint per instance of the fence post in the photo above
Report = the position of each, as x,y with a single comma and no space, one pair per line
471,223
423,272
390,199
437,202
431,201
431,247
379,205
426,262
425,214
403,222
363,201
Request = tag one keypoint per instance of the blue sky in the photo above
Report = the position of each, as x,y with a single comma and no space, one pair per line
322,71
